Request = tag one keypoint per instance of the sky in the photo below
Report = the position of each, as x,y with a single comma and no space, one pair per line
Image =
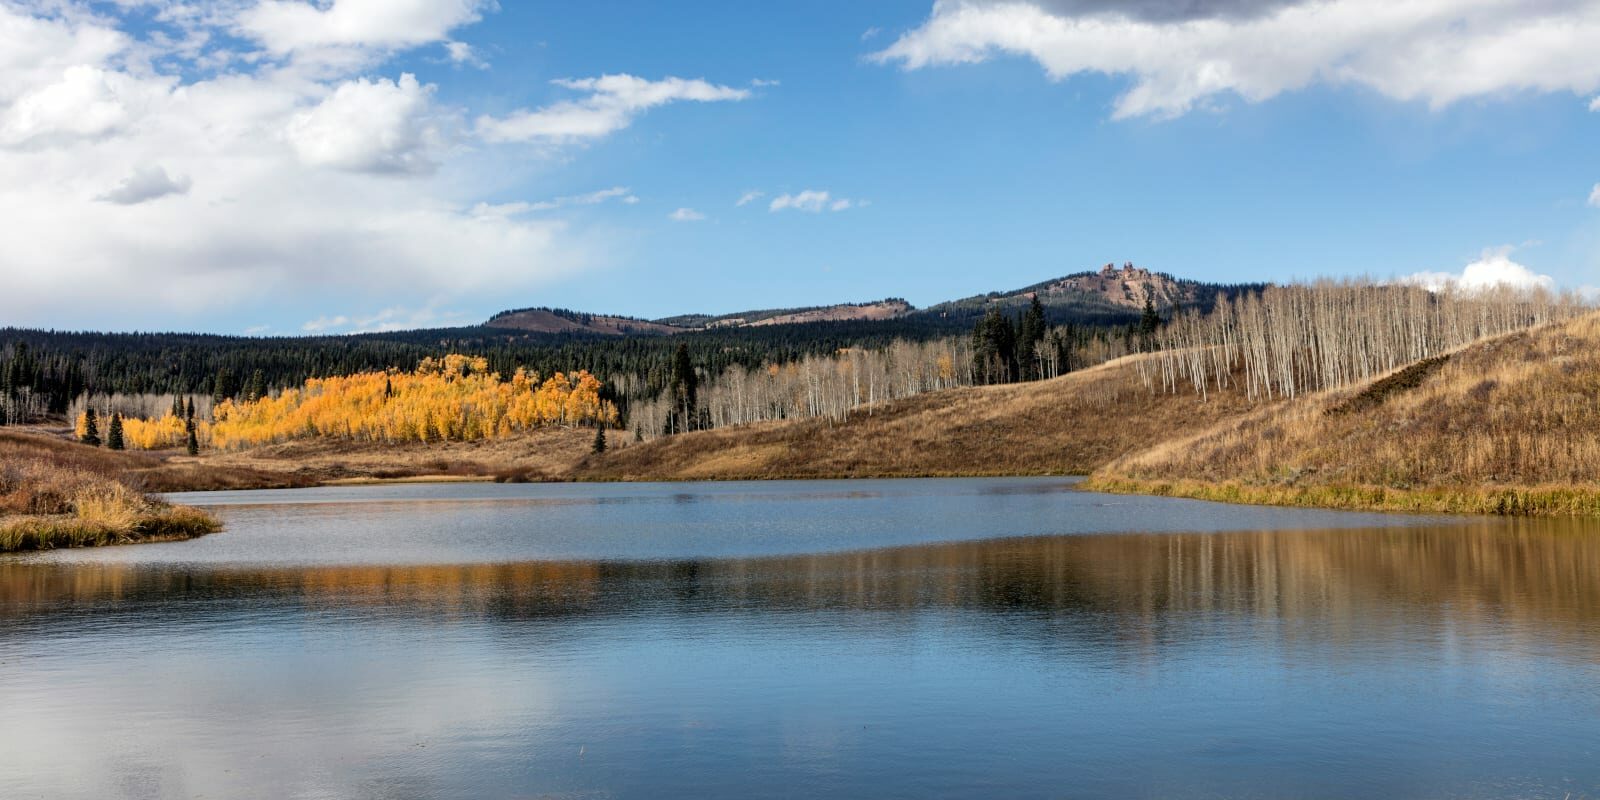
281,167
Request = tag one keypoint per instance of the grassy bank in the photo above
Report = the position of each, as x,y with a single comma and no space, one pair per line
1563,501
55,493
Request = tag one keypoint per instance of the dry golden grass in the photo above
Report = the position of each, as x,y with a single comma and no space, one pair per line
1509,425
1068,425
540,454
55,493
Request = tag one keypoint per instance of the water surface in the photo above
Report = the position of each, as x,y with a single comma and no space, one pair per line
929,638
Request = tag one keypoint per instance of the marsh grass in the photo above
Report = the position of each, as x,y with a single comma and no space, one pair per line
60,494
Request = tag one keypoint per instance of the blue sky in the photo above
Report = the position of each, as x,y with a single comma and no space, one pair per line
279,167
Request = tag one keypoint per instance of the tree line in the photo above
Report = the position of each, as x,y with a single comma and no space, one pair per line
1290,340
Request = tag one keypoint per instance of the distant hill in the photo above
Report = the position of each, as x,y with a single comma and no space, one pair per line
1106,294
560,320
1110,295
888,308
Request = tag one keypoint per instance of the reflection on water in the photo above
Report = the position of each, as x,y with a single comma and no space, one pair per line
1451,659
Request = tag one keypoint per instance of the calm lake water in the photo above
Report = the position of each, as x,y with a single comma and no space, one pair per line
927,638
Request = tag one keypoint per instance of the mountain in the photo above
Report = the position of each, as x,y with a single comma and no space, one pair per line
560,320
1110,295
888,308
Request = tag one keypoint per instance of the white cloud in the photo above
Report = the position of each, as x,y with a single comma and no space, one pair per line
620,193
1594,105
368,126
281,203
83,102
750,197
393,318
321,324
289,26
812,201
464,54
611,105
145,184
686,215
1437,51
1594,196
1493,268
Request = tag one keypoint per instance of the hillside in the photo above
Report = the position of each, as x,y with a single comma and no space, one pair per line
1506,425
1067,425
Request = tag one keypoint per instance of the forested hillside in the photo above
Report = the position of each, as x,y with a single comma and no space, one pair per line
48,374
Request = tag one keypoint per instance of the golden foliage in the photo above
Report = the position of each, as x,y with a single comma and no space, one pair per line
455,398
154,434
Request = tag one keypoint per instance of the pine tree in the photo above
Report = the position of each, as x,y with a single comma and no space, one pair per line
1028,339
599,439
257,388
114,433
91,431
193,443
177,406
1149,321
685,386
188,411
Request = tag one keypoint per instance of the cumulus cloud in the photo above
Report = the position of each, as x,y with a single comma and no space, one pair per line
686,215
611,104
144,185
368,126
1181,54
1594,196
812,201
286,27
750,197
200,195
1494,268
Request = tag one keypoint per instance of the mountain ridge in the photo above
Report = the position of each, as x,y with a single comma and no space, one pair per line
1106,294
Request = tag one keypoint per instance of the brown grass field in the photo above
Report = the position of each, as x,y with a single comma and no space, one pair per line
1509,425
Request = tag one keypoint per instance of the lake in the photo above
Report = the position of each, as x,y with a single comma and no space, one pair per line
913,638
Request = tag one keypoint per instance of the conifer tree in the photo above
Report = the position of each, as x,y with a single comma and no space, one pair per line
114,433
1149,321
685,386
1028,339
188,411
599,439
193,443
91,431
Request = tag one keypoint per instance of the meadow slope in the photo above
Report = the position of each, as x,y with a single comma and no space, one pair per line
1508,425
1068,425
